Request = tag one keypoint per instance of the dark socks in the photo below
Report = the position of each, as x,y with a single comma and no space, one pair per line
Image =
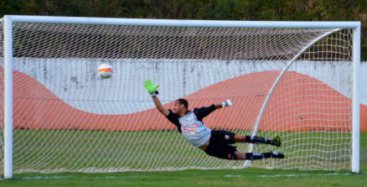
256,139
258,156
254,156
270,154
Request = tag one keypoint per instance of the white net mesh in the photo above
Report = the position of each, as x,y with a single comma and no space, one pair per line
314,108
66,118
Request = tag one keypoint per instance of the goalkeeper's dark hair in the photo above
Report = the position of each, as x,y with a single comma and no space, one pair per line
184,102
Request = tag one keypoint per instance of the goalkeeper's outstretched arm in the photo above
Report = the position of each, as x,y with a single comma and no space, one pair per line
159,106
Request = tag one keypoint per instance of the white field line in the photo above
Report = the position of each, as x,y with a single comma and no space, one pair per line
303,175
294,175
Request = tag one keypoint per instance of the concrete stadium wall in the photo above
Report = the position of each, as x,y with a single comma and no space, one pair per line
73,92
78,84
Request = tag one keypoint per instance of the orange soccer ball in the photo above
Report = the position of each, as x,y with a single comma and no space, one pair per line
105,71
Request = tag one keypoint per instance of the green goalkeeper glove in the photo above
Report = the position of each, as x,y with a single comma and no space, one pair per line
151,88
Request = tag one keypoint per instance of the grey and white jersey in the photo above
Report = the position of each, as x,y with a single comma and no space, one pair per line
194,130
191,125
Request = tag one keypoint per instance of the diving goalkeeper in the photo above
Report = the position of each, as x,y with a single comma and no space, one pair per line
217,143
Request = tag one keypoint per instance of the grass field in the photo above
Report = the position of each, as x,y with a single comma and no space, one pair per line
240,177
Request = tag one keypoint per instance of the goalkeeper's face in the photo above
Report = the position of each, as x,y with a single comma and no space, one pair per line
179,108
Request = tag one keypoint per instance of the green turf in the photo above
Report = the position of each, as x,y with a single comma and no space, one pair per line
74,150
100,149
248,177
243,177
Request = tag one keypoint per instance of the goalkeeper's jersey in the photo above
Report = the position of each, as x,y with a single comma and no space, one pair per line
191,125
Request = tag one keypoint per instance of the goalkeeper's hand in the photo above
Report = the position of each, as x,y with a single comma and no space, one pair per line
227,103
151,88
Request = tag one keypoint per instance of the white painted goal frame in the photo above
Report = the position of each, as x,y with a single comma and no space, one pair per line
8,57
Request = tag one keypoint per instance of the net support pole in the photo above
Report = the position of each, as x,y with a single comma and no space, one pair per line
247,163
8,98
356,100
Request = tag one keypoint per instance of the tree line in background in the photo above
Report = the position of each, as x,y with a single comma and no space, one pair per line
305,10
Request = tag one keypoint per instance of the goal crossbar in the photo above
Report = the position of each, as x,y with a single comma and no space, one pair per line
184,23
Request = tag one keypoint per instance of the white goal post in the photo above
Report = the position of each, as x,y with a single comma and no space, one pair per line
212,51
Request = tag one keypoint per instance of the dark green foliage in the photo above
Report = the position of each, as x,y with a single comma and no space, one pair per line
338,10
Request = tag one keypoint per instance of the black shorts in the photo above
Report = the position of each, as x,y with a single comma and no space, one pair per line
219,145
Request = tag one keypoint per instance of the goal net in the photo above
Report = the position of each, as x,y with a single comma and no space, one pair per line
67,119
